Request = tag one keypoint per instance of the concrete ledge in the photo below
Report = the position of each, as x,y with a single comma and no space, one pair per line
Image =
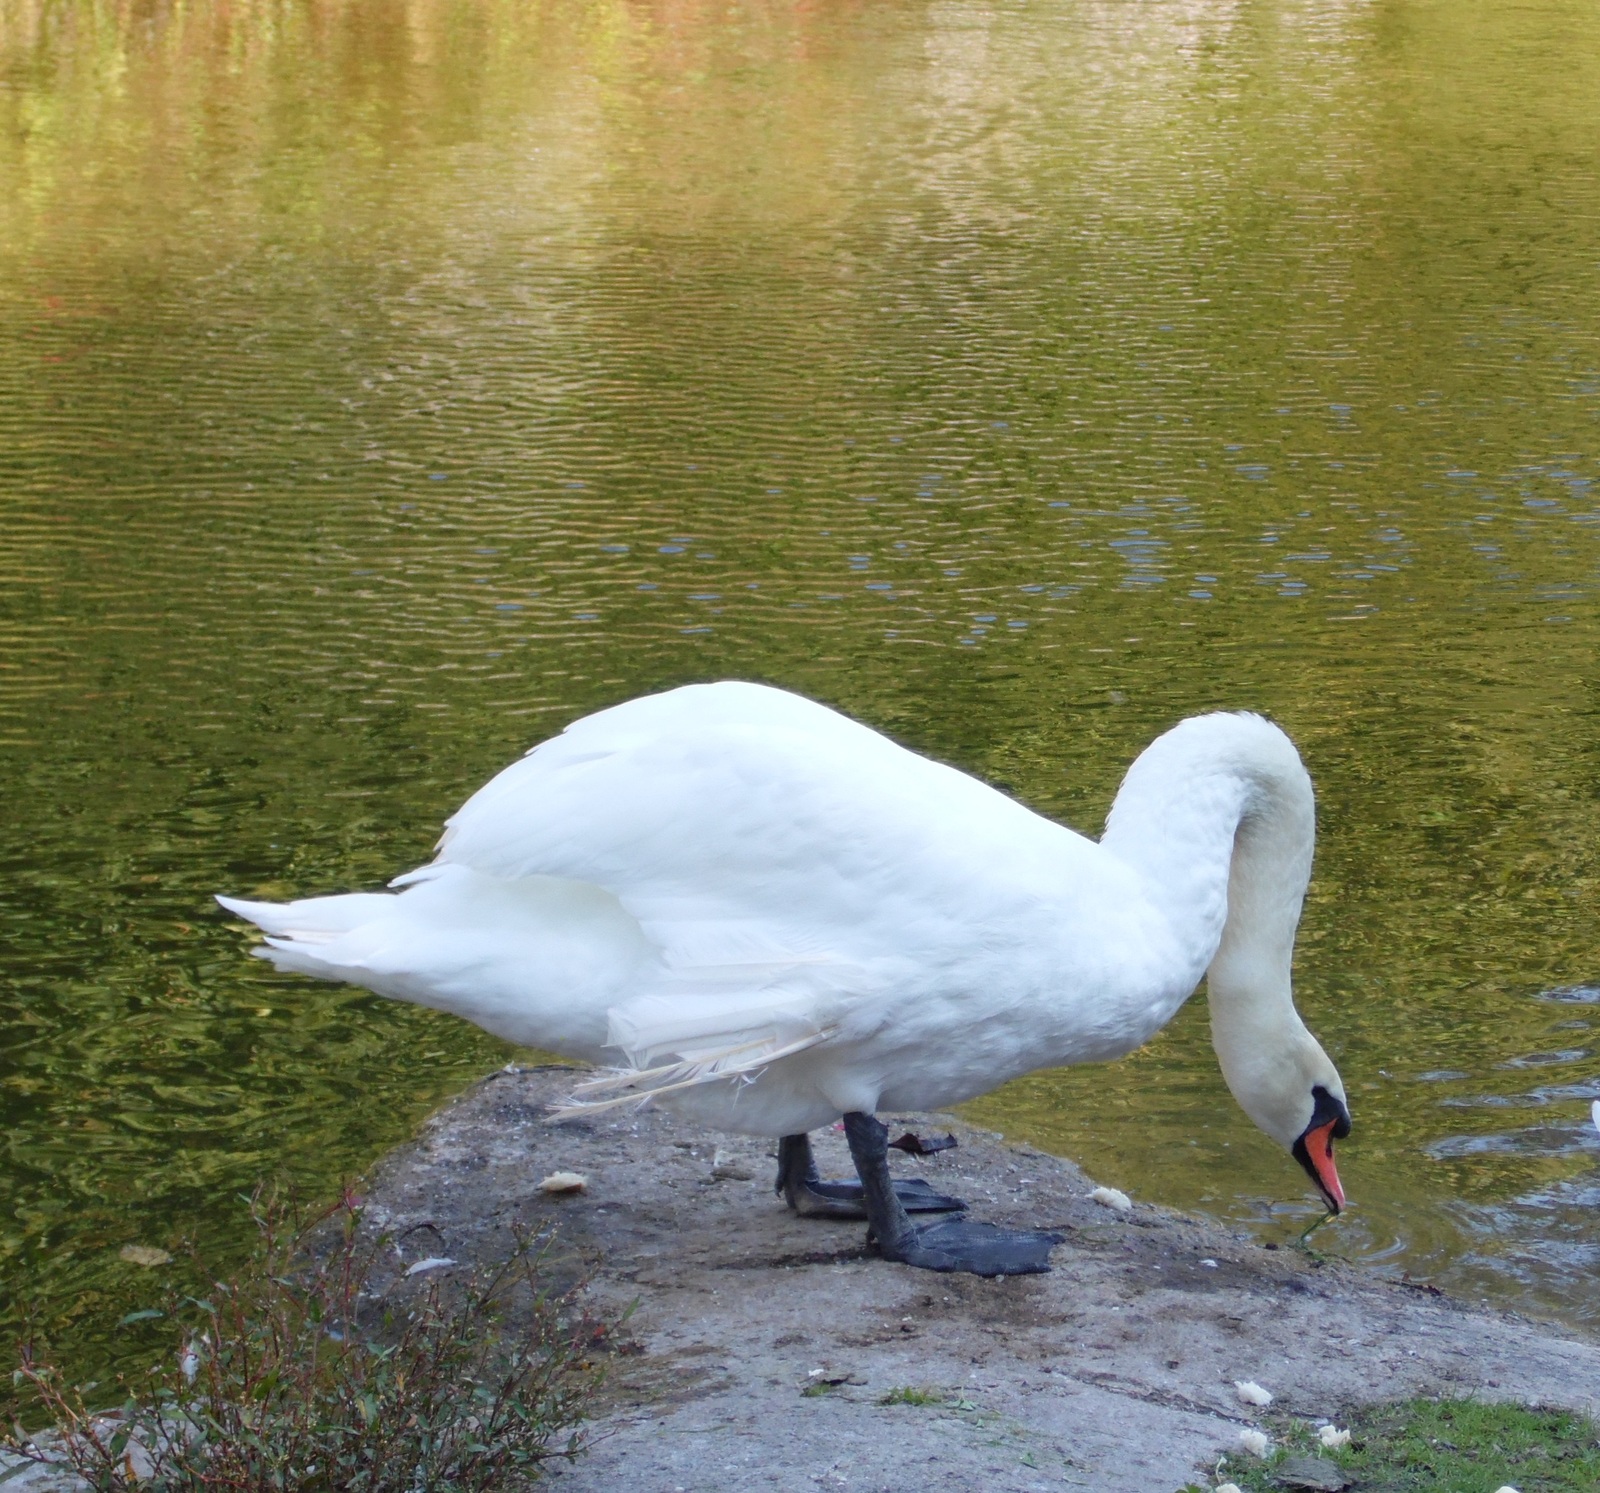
764,1345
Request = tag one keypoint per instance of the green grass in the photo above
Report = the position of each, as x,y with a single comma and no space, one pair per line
1438,1446
937,1399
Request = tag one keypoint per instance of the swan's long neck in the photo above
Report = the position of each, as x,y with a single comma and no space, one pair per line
1218,815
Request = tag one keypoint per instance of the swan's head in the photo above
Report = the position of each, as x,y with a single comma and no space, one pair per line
1291,1089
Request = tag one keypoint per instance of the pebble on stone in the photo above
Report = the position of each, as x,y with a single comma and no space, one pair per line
559,1182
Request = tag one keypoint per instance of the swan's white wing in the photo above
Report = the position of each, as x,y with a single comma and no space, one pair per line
788,863
734,805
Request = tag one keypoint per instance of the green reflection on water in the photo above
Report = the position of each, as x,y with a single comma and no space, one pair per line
382,386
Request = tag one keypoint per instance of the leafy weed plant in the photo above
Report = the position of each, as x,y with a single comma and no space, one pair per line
1440,1446
308,1375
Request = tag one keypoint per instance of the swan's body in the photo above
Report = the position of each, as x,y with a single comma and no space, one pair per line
772,915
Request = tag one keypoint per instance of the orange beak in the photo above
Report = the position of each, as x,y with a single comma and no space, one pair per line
1319,1162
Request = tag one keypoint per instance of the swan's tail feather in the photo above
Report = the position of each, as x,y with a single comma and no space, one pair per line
638,1086
538,960
312,920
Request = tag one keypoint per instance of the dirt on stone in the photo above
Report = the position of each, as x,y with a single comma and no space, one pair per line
768,1351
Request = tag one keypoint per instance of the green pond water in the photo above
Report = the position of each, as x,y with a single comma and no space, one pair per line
383,385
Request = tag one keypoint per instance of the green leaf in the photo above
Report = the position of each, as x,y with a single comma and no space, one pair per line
149,1314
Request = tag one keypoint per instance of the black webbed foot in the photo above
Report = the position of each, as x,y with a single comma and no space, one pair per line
976,1248
844,1199
949,1243
805,1192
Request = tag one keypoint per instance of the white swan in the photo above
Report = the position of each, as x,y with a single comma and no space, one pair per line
774,916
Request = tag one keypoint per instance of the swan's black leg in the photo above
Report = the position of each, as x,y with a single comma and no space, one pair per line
951,1243
799,1185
